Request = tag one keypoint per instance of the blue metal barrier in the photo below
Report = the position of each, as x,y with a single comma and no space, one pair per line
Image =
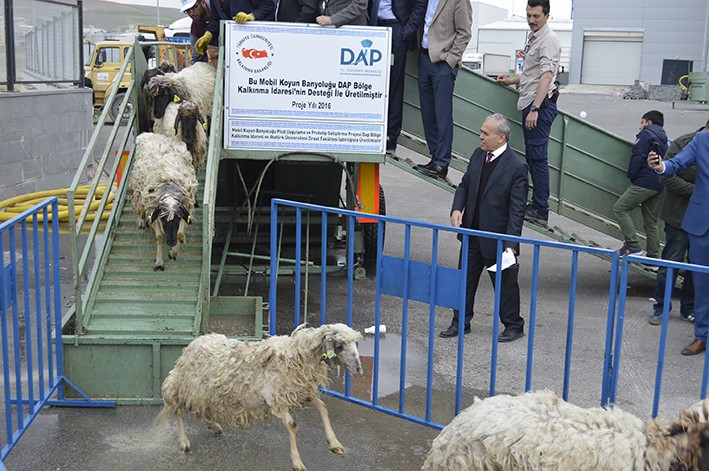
436,285
31,330
671,267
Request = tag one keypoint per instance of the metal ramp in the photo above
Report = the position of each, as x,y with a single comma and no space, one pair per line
587,164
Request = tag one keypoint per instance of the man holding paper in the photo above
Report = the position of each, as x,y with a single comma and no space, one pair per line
492,197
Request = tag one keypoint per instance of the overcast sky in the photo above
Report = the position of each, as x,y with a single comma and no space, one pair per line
560,9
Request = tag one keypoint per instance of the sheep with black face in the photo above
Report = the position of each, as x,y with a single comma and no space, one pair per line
183,121
194,83
163,187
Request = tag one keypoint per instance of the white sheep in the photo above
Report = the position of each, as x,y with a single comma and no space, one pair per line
194,83
234,383
539,431
163,187
183,121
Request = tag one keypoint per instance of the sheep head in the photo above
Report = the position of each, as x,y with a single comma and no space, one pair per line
339,347
163,93
189,117
681,445
170,214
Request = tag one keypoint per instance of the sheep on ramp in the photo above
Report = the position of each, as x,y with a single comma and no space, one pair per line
163,187
194,83
539,431
233,383
183,121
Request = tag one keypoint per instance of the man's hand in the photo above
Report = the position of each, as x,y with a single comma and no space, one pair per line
531,121
654,161
456,218
203,42
242,17
324,20
503,80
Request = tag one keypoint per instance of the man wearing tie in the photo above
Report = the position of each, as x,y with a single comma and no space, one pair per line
491,197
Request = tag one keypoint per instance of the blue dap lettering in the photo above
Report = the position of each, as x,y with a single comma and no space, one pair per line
366,55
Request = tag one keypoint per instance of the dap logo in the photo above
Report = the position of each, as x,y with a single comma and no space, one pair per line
365,56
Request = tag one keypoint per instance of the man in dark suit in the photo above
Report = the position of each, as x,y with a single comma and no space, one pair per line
492,197
404,18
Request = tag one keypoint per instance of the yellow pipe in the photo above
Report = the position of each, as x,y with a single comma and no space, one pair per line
21,203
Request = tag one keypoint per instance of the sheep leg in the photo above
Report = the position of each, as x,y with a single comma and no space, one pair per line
159,262
182,436
335,445
291,426
215,427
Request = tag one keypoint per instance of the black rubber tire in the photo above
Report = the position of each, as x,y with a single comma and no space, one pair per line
116,105
369,231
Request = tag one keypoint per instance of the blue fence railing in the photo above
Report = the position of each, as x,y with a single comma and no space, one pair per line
30,322
411,279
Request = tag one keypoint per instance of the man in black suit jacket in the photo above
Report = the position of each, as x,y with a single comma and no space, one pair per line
492,197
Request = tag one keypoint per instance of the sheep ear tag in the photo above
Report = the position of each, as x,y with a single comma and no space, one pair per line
329,355
177,99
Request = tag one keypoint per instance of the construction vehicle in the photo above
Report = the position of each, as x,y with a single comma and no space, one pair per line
108,56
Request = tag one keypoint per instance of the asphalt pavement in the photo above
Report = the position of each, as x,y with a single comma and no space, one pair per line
129,438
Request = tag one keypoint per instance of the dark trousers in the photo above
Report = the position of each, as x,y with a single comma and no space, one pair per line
699,254
509,297
396,85
676,247
536,144
436,82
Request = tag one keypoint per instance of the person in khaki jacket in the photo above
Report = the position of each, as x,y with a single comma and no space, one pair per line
446,33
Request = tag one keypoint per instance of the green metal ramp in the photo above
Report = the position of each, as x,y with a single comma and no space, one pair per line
587,164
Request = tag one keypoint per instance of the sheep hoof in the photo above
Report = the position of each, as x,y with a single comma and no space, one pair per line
185,447
171,257
338,450
160,267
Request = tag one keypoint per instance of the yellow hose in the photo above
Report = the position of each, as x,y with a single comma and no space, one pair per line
17,204
685,87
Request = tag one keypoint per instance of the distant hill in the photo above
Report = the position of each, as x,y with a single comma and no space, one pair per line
112,16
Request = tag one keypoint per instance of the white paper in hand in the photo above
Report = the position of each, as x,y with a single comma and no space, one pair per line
508,259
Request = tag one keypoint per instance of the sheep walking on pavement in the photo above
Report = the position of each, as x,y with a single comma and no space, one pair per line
183,121
232,383
163,187
539,431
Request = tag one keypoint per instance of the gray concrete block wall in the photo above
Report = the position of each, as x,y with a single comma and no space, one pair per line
43,137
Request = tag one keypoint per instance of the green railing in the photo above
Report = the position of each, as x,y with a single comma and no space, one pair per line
587,164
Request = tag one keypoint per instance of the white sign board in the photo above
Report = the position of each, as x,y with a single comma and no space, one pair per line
301,87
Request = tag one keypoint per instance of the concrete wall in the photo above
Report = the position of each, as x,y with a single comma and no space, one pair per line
675,30
43,137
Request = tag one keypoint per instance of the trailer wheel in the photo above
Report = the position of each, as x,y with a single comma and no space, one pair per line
116,105
369,232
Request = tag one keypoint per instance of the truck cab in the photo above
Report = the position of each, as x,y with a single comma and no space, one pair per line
105,63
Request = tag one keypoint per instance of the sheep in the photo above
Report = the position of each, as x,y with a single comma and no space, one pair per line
164,68
234,383
184,122
194,83
539,431
163,188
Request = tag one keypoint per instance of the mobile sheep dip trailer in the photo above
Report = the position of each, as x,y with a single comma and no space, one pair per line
128,324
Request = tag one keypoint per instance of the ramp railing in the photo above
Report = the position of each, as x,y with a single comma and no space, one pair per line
419,282
30,326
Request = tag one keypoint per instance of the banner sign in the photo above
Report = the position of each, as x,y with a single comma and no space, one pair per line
304,87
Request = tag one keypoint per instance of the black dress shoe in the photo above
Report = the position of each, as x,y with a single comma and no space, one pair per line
433,170
510,335
452,331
